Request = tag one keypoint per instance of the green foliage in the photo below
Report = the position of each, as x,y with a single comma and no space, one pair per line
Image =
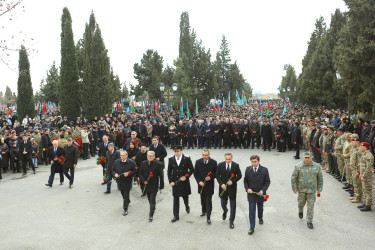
222,68
149,75
48,86
9,97
289,81
354,55
25,105
68,86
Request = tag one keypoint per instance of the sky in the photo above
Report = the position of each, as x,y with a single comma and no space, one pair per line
262,36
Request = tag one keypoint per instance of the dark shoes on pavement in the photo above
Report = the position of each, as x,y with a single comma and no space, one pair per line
300,215
310,225
365,209
251,231
261,221
231,225
174,219
125,213
49,185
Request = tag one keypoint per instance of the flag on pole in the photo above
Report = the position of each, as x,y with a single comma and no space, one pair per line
196,106
238,98
223,105
181,107
260,108
244,101
187,108
229,99
268,107
285,106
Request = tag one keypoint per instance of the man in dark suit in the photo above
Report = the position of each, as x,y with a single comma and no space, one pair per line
123,170
46,143
208,132
54,153
296,139
25,154
149,174
103,148
191,132
110,158
256,180
159,149
180,168
228,173
267,135
204,174
70,154
140,157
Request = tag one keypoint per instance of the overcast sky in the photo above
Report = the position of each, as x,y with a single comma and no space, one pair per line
262,35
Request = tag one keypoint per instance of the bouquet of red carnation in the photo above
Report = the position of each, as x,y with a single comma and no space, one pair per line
136,143
100,160
150,176
208,175
187,175
61,159
318,195
226,185
265,197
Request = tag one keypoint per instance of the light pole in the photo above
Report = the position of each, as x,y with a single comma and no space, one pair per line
168,95
338,76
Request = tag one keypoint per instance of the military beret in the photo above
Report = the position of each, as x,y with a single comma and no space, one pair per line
307,154
297,124
366,144
331,127
177,147
354,136
69,139
355,139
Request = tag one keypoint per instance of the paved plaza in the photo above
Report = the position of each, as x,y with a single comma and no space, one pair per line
34,216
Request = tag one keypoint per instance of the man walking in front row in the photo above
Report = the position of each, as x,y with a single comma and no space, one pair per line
54,154
150,173
70,154
204,174
307,178
123,170
228,173
110,158
256,181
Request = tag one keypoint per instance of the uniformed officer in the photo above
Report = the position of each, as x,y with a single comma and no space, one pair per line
366,165
354,168
307,179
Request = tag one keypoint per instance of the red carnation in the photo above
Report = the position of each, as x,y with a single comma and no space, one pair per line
187,175
151,174
129,172
318,195
232,174
210,173
235,130
347,168
46,149
137,167
56,156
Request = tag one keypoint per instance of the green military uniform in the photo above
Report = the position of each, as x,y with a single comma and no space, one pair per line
325,152
346,153
307,180
38,139
366,166
354,168
62,142
340,142
308,135
329,151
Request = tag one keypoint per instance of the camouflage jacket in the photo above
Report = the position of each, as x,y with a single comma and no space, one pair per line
366,164
307,179
346,151
354,159
340,142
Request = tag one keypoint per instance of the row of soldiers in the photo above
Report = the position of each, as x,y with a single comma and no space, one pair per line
342,155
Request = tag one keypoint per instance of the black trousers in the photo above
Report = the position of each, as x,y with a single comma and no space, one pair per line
152,201
191,142
267,144
206,202
45,157
71,176
208,142
255,139
27,160
296,146
236,141
126,197
246,140
176,205
14,165
227,142
85,150
232,203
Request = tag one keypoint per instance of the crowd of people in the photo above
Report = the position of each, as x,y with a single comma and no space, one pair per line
344,149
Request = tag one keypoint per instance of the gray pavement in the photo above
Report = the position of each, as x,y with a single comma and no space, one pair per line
34,216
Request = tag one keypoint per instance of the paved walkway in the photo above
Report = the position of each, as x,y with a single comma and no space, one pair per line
34,216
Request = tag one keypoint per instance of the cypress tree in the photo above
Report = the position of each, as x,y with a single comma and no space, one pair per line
25,105
68,87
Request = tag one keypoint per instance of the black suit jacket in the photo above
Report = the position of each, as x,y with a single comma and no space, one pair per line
160,152
71,155
119,167
157,171
201,172
25,147
222,177
103,149
191,131
175,172
256,182
56,167
110,159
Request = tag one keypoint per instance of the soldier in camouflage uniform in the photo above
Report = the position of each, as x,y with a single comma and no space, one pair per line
62,141
339,147
365,174
38,139
307,179
308,135
356,191
324,149
346,156
329,149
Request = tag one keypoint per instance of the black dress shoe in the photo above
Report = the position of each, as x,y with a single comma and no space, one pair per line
125,213
107,192
361,206
346,186
188,209
143,195
261,221
300,215
231,225
174,219
225,214
150,218
208,221
297,158
34,172
310,225
70,186
203,214
251,231
61,183
49,185
365,209
103,183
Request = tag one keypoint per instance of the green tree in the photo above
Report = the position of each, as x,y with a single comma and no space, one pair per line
124,91
354,55
186,45
68,86
25,105
289,81
184,90
8,97
236,80
149,75
49,85
97,86
222,68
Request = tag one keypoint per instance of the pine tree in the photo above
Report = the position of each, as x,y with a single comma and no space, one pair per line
25,105
186,45
97,86
222,68
8,97
288,81
68,87
48,87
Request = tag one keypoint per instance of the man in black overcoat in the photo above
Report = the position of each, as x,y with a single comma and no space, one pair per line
256,180
70,154
123,170
180,169
110,157
204,174
228,173
150,173
267,135
54,153
25,154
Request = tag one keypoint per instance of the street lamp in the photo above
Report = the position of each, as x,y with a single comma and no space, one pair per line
168,95
338,76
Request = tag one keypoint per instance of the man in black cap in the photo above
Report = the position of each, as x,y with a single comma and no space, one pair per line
180,168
